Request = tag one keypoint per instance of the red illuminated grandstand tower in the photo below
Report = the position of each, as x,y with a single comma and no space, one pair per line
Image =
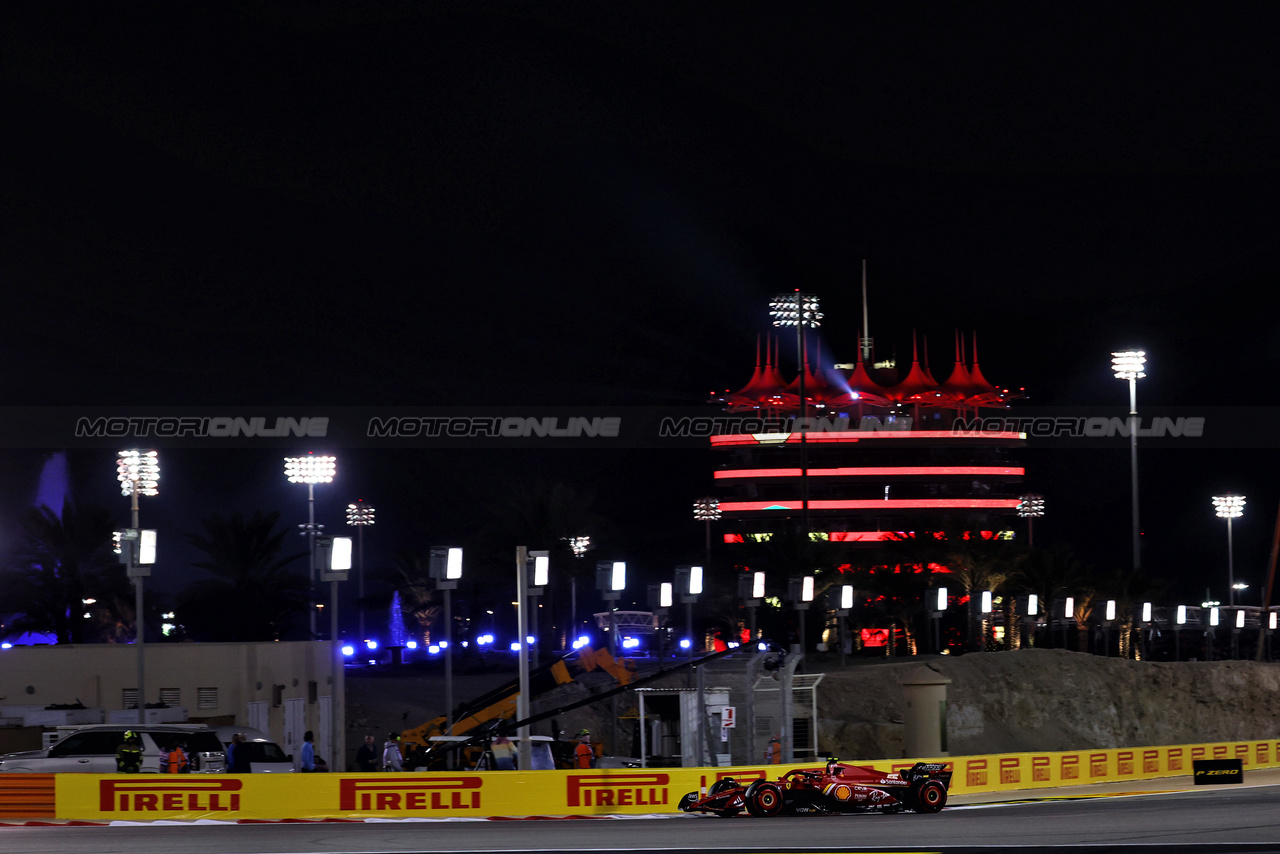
887,452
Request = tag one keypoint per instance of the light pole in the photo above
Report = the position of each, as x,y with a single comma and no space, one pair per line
799,310
1229,506
689,582
446,568
1128,365
139,474
333,556
611,580
661,598
846,604
360,515
1030,507
311,470
939,596
751,591
800,592
541,571
707,510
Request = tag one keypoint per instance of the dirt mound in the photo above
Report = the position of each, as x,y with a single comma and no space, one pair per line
1000,702
1050,699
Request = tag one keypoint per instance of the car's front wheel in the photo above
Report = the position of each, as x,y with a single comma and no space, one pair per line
764,799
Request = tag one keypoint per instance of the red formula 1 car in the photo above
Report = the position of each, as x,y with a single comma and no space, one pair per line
837,788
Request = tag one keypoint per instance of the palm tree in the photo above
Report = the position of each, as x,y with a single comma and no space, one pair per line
975,562
786,554
411,576
252,596
63,560
540,515
1050,573
1128,587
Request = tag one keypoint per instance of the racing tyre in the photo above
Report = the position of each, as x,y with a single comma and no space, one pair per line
931,796
764,799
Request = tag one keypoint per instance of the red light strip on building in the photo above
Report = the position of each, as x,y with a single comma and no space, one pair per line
862,536
873,471
856,436
874,504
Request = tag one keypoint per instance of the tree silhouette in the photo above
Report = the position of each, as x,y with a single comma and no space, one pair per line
976,562
62,560
1051,573
252,596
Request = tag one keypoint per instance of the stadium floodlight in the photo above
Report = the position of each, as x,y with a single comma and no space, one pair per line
1128,365
360,516
1030,507
1229,506
311,470
138,473
799,310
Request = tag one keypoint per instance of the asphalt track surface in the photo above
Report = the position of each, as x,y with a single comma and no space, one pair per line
1156,816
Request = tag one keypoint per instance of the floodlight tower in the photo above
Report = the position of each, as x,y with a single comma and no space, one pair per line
360,515
1030,507
139,474
1128,365
707,510
579,546
1229,507
311,470
799,310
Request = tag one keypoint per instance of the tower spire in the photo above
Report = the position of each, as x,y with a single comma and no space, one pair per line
866,328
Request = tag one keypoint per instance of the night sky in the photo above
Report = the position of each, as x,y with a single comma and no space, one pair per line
305,204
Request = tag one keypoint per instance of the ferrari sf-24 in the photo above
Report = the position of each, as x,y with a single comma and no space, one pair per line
834,789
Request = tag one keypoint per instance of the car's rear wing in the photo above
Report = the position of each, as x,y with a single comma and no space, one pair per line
928,770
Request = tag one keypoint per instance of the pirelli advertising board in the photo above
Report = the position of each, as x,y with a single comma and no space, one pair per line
145,797
492,793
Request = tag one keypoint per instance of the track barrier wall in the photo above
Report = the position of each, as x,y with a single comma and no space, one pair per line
145,797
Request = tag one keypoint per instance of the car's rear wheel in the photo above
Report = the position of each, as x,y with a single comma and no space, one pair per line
930,796
764,799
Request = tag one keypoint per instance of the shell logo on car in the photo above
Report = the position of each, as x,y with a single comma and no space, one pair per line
840,792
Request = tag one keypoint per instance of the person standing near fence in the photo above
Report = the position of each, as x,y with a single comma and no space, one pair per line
367,755
308,762
392,760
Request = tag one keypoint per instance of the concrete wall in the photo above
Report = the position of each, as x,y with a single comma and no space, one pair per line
97,674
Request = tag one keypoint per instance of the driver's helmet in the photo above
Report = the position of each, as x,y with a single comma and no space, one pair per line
130,735
833,764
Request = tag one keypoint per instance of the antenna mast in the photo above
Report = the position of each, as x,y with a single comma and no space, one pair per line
866,329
